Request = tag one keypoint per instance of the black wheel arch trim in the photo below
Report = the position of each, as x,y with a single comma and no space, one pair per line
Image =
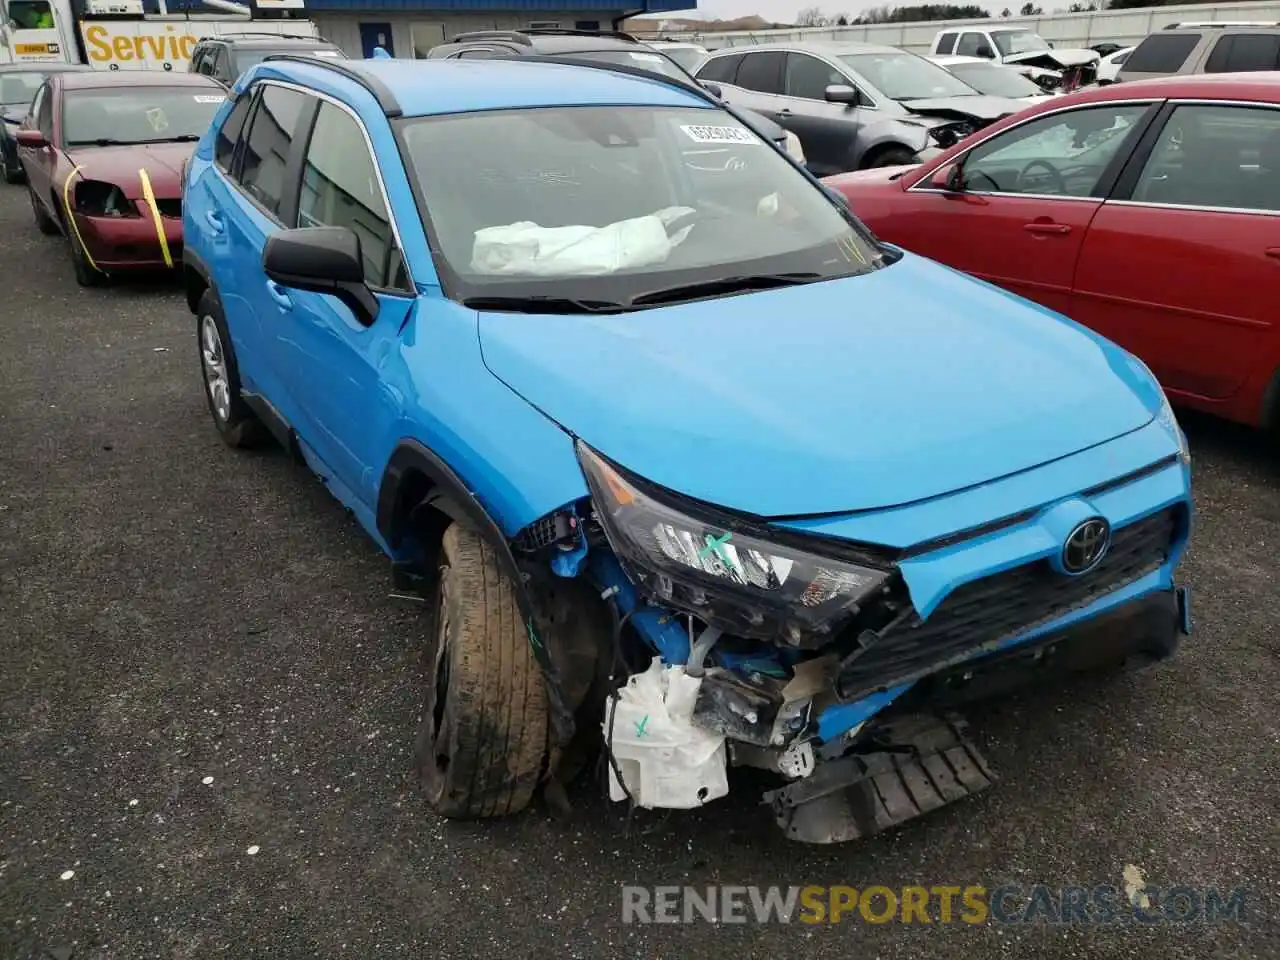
449,495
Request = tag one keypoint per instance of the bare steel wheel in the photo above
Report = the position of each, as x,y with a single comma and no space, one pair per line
235,421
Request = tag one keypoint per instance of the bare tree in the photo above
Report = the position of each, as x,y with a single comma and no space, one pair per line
811,17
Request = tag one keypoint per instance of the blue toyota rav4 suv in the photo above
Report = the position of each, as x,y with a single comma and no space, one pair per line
624,393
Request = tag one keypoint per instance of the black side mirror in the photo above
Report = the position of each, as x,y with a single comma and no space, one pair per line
840,93
712,88
322,260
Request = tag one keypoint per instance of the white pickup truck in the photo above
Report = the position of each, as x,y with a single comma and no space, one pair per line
1021,48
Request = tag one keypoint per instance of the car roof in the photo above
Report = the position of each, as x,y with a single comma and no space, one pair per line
435,87
102,79
950,59
830,49
40,66
1261,86
576,43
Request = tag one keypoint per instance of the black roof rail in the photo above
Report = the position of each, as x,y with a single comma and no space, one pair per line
265,35
573,32
691,85
381,92
514,36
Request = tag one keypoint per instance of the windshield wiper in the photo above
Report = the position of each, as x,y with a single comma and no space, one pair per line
723,285
539,304
109,142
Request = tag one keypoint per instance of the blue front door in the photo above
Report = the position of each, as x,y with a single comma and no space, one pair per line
376,35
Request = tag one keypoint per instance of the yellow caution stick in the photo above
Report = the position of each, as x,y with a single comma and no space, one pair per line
71,217
150,196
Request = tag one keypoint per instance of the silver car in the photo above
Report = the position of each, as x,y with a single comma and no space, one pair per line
854,105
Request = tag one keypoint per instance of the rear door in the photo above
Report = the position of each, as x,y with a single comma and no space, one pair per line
759,83
1030,192
826,130
1244,53
254,210
1183,266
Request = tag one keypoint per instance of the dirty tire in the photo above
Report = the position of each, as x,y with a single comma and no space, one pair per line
892,157
87,275
484,727
235,421
48,226
12,174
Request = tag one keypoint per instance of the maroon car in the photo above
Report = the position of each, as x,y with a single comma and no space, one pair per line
103,154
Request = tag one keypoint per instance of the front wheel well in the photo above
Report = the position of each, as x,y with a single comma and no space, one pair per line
880,150
1270,417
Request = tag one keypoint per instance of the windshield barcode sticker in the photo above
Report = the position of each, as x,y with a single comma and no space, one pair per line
202,99
704,134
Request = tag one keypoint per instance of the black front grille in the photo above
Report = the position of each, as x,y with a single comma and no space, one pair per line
979,615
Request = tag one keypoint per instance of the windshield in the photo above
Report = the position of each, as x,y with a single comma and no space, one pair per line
611,203
687,57
19,89
141,114
994,80
640,59
251,58
1018,41
904,76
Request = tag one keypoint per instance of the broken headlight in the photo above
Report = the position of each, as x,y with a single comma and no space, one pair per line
97,198
724,571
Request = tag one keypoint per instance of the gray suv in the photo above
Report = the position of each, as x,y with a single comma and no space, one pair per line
854,105
1221,47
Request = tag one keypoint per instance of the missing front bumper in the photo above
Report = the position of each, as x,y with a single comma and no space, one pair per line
917,765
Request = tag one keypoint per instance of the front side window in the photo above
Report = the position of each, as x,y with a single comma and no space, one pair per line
19,89
1064,154
995,80
224,144
31,14
1244,52
1162,53
809,77
608,203
271,133
42,111
340,189
1009,42
973,45
106,116
1215,156
904,76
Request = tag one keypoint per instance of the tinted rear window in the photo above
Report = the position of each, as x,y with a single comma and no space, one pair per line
1162,53
721,69
1243,52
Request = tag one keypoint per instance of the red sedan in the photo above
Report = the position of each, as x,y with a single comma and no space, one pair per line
103,155
1148,211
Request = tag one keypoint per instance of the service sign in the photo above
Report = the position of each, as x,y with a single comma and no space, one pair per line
159,44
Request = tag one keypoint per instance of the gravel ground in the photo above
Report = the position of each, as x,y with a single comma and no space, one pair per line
207,702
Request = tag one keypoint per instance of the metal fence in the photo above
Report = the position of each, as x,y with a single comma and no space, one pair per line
1125,27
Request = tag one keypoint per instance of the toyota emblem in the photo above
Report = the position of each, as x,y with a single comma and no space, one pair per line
1086,546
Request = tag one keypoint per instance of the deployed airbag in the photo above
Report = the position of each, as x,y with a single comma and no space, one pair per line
526,249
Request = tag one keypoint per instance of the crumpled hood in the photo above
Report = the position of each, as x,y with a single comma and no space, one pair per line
965,108
1054,59
866,392
120,165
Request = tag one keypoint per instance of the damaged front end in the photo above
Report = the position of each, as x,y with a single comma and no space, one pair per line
805,656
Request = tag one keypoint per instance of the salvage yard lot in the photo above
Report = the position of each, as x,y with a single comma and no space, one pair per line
171,612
